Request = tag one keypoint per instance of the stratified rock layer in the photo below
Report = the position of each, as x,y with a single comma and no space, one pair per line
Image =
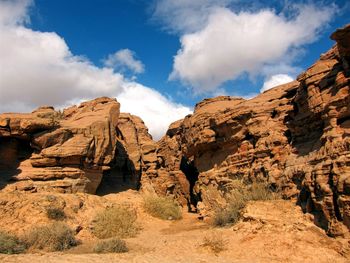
67,152
295,137
146,163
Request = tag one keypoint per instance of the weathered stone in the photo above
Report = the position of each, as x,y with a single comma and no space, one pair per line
294,137
51,146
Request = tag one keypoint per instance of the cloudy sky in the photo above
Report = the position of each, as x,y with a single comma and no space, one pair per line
160,57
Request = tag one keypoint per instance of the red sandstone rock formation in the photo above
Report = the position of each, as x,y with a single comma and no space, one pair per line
67,151
87,148
295,137
147,162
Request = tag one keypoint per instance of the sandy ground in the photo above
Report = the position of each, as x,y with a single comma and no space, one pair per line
271,231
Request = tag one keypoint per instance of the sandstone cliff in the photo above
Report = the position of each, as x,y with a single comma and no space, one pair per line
295,137
65,152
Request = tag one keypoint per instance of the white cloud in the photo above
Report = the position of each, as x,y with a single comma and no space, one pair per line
14,12
276,80
37,68
124,58
280,68
233,43
184,16
156,110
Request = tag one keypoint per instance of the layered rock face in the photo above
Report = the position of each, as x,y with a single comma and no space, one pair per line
145,160
65,152
87,148
295,137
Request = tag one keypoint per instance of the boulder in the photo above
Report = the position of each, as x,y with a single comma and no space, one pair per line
71,148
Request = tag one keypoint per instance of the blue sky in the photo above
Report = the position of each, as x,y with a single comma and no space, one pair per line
157,57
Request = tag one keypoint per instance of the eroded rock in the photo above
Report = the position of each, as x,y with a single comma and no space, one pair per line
67,152
295,137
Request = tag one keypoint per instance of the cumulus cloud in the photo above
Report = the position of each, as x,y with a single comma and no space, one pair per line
183,16
232,43
156,110
37,68
14,12
276,80
124,59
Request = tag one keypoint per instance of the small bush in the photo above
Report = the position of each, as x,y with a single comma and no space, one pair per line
232,213
10,244
214,242
114,245
229,215
238,200
53,237
115,222
55,213
260,191
162,207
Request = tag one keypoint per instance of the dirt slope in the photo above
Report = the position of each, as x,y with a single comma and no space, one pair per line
271,231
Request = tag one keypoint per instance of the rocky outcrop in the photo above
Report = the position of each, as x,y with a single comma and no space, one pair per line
86,148
295,137
64,151
147,163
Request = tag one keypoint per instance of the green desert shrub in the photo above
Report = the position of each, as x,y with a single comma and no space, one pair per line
55,213
162,207
215,242
117,221
238,199
53,237
113,245
10,244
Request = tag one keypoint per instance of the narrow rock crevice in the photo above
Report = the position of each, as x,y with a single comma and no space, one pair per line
191,173
122,175
335,197
12,152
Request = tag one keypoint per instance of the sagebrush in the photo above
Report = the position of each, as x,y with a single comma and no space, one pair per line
11,244
215,242
55,213
261,191
53,237
113,245
116,221
237,200
162,207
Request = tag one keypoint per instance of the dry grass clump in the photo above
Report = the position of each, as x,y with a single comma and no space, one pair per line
238,199
53,237
232,213
55,213
113,245
10,244
162,207
215,242
260,192
115,222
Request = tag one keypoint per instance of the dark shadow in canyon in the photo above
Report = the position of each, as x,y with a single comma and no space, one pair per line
122,176
12,152
305,128
191,173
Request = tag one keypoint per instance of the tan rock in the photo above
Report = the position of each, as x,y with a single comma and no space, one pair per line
46,145
294,136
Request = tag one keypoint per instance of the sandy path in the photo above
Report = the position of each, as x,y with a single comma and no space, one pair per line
273,231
